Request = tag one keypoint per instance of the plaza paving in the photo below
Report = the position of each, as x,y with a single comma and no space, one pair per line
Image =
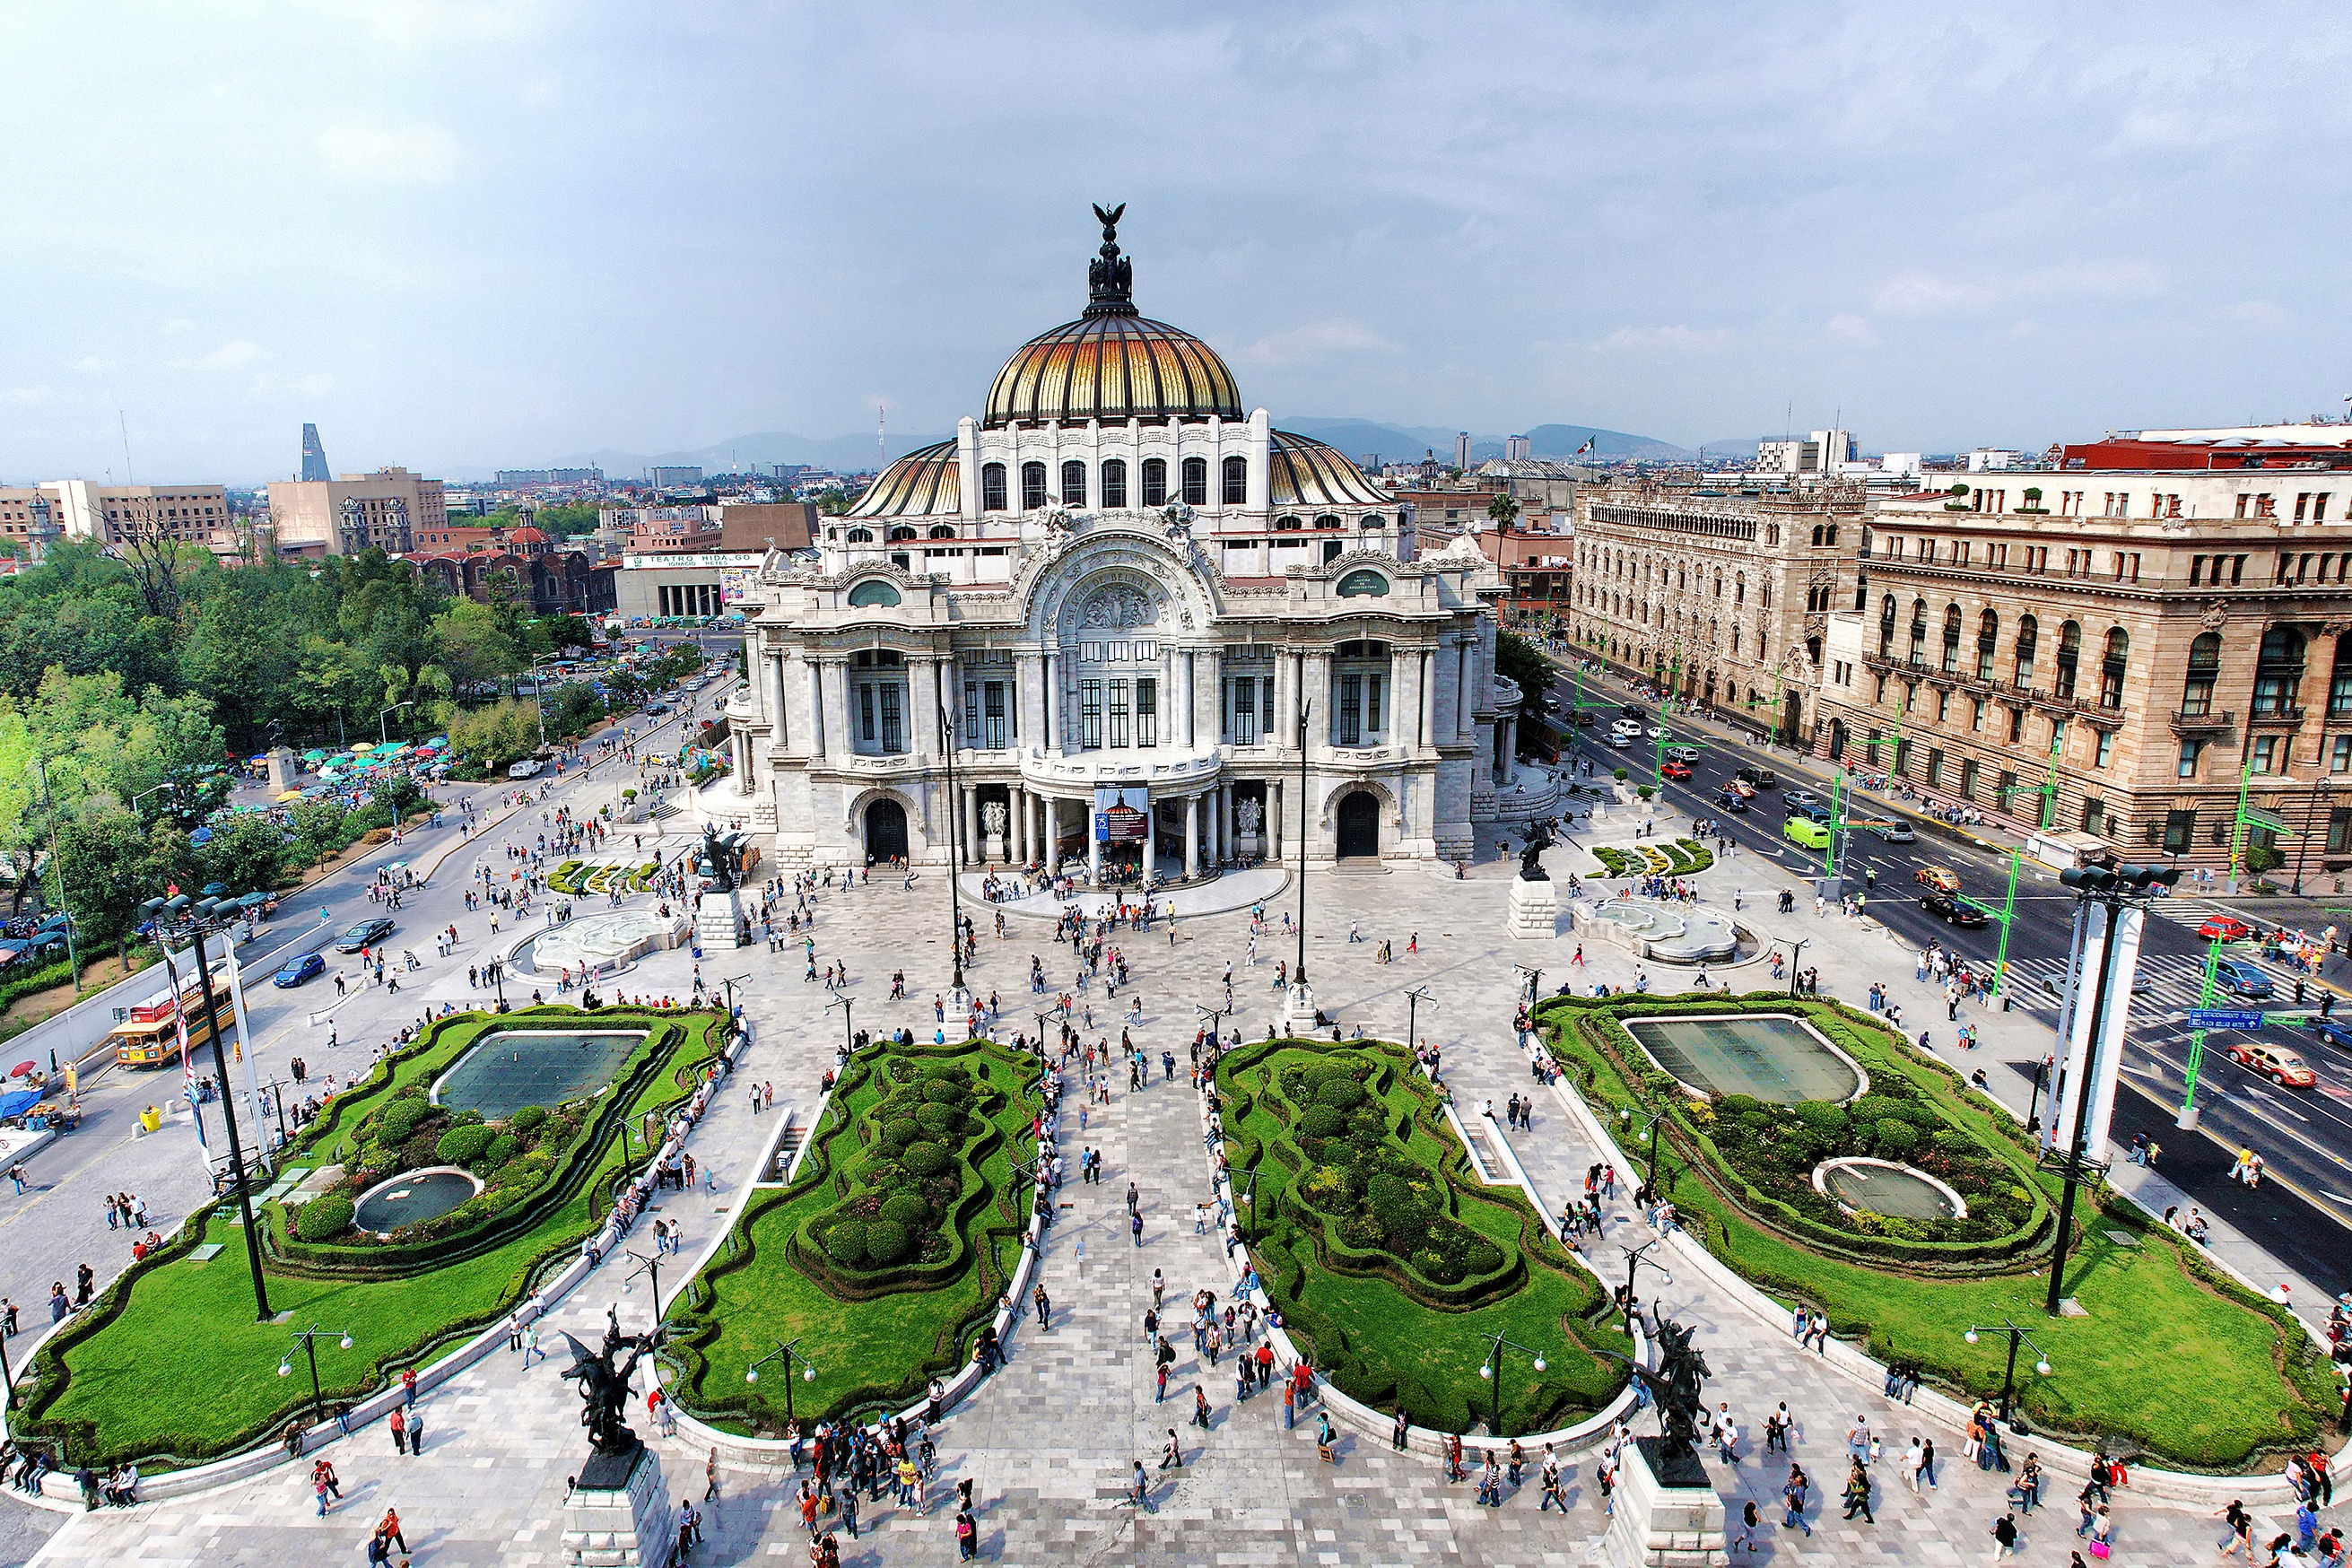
1048,1441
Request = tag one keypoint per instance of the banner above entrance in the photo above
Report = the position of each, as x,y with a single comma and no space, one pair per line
1122,814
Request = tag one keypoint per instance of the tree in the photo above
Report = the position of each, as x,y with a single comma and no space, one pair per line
473,648
496,735
1502,509
317,829
568,632
248,852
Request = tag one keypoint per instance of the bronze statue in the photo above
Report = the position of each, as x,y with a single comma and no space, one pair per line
604,1388
720,859
1678,1389
1531,858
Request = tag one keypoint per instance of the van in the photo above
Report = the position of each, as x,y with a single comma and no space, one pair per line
1805,833
1682,753
1762,778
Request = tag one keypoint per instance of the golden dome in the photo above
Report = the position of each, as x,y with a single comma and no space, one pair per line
1112,363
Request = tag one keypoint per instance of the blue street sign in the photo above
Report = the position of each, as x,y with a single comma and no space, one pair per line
2223,1018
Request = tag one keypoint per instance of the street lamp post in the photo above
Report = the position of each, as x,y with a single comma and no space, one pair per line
1244,1201
179,911
651,1267
2008,1374
1534,978
787,1354
848,1041
1635,1258
1492,1371
277,1086
384,732
1649,1132
1794,954
1413,999
955,856
309,1339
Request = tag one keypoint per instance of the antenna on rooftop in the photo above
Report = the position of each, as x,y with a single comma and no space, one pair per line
881,438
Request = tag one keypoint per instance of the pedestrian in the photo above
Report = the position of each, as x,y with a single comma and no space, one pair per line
967,1533
389,1528
1793,1494
2004,1536
1857,1492
399,1430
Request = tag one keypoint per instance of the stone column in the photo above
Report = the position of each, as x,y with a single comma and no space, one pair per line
1053,741
1466,726
1425,717
1018,799
1285,701
782,733
1151,840
836,700
1048,809
1316,673
1191,705
1029,698
1273,823
1094,848
1399,728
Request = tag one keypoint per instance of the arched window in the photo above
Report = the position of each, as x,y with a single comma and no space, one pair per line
1328,520
2278,672
1376,520
861,536
1286,524
1196,482
1074,483
872,591
991,487
901,532
1033,486
2070,657
2204,669
1833,534
1114,483
2112,665
1886,627
1951,639
1988,639
1236,487
1155,481
1363,581
943,531
1740,589
1817,536
1918,633
2028,633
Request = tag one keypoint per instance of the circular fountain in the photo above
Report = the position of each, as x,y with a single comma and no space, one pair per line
1667,932
1885,1187
413,1196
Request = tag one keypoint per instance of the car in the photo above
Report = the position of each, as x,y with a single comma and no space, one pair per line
1817,814
1655,733
1551,702
1621,737
296,970
2333,1031
2281,1066
1677,771
1937,877
2242,979
1741,788
1683,752
1585,719
527,768
656,707
1802,797
2225,928
1950,911
1805,833
1892,832
1632,710
1735,803
1762,778
367,933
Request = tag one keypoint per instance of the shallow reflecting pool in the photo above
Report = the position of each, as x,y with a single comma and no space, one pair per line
509,1068
1773,1056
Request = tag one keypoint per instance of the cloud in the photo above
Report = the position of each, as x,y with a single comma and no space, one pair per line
1675,339
26,394
1316,342
1850,328
1926,294
91,364
235,354
397,155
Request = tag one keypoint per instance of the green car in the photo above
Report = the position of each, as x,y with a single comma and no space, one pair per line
1805,833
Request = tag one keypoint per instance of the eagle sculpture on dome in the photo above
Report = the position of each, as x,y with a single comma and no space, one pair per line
1109,276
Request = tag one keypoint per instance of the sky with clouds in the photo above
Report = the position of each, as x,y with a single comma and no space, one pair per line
460,234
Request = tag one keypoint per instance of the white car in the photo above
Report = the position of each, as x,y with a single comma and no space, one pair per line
527,768
1622,737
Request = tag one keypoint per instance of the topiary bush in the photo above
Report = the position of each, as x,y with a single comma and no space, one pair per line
925,1158
846,1242
324,1218
399,1121
527,1121
886,1243
463,1146
906,1209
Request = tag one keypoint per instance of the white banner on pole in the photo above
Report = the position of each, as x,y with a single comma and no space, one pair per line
2106,939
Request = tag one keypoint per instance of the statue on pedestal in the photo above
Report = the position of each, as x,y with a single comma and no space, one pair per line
1531,858
604,1387
719,860
1678,1389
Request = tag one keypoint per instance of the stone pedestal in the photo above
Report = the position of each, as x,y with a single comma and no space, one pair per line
992,848
1535,910
717,919
1671,1521
1299,1012
1248,846
285,769
619,1516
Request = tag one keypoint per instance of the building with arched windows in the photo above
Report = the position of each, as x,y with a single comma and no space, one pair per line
1125,602
2133,673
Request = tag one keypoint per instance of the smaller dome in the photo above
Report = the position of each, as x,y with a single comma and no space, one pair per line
527,535
925,482
1304,471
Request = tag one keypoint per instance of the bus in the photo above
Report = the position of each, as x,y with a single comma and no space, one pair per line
148,1035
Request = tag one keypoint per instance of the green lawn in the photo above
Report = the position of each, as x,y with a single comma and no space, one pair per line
179,1326
2197,1370
1381,1341
868,1355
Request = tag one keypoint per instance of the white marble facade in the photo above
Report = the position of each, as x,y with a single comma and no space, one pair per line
1116,579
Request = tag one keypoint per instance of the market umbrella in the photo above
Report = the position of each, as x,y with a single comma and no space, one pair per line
201,836
314,757
439,741
289,794
363,746
263,758
20,1069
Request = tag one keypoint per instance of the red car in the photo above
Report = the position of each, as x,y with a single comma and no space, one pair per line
2225,928
1680,771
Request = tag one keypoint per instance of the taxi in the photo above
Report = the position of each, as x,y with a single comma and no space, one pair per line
2280,1066
1937,877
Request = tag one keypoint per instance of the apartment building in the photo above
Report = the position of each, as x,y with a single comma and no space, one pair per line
385,510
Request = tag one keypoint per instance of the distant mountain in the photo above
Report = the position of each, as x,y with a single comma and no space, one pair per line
1406,442
845,453
1740,447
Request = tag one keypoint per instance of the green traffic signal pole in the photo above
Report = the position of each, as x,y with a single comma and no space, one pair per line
2205,998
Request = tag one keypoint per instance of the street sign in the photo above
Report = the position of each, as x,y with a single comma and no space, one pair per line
2224,1018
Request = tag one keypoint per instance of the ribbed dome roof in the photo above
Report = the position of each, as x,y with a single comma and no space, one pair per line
1112,363
1304,471
924,482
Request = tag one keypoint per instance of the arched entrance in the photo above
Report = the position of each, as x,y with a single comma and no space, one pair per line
886,830
1359,824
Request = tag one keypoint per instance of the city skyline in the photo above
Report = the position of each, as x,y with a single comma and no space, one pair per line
512,245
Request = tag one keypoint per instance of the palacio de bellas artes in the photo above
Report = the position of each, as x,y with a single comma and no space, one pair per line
1120,591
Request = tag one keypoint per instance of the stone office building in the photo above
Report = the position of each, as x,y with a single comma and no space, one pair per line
1114,595
1723,596
2113,653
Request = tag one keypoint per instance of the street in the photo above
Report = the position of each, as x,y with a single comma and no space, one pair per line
2304,1201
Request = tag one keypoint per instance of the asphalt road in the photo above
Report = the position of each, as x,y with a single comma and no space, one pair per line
2304,1206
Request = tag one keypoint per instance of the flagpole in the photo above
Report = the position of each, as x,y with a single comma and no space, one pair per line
244,1043
187,1072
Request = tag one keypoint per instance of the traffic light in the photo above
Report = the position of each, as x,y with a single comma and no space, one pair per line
2128,880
